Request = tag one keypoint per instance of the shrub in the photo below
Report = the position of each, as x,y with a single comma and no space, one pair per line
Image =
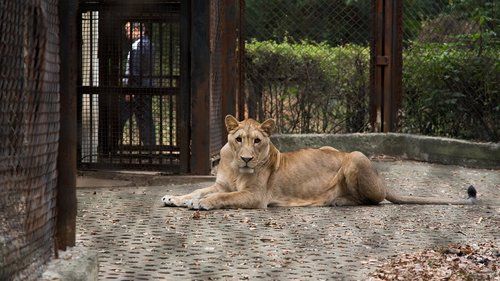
309,87
450,90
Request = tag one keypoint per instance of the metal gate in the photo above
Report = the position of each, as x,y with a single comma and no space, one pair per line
132,88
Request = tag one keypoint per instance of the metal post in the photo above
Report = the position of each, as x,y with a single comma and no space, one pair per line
66,162
377,63
200,86
184,109
241,59
386,64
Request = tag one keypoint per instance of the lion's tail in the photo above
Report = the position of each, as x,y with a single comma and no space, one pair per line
400,199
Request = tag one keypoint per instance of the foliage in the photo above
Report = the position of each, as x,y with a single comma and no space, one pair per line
310,87
450,76
340,22
475,9
417,11
451,90
452,262
451,71
335,22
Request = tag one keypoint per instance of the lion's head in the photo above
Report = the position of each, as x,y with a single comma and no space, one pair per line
249,142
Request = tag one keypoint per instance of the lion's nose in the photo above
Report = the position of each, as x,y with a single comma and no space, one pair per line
246,159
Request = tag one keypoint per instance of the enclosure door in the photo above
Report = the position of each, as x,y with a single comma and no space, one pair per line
133,99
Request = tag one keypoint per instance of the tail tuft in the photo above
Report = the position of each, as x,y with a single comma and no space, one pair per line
471,191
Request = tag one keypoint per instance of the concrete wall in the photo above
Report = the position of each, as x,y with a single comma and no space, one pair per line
411,147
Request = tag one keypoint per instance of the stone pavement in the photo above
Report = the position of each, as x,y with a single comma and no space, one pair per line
137,239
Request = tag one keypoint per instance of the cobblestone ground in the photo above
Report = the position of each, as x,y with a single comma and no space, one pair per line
137,239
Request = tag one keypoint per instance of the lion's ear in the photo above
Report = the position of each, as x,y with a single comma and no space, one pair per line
231,123
268,126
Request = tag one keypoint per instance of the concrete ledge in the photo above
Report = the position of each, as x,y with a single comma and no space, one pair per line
411,147
74,264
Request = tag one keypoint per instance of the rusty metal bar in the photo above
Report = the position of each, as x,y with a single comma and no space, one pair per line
229,65
386,64
241,59
183,106
376,70
200,86
387,69
67,158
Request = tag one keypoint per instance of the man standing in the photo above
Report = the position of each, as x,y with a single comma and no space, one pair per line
138,73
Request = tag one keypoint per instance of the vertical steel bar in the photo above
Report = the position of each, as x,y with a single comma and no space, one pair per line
200,86
79,93
149,27
184,104
171,82
160,84
111,77
91,83
103,80
66,161
386,65
241,60
131,103
387,78
376,67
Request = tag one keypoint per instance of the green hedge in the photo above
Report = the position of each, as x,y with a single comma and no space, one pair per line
451,90
309,87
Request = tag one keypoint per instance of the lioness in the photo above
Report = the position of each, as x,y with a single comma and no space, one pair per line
253,173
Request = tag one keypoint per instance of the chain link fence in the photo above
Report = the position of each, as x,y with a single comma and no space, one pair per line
29,133
307,64
129,86
451,69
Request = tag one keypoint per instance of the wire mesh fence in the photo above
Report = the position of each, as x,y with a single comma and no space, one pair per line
129,85
307,64
451,69
216,130
29,133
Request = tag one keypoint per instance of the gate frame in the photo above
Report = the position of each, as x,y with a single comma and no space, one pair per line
200,86
201,140
66,202
184,120
386,66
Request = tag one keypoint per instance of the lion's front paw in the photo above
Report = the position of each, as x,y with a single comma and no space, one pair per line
171,201
198,204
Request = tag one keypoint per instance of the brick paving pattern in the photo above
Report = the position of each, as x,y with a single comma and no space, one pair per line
138,239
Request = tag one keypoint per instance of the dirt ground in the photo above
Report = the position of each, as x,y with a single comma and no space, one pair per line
138,239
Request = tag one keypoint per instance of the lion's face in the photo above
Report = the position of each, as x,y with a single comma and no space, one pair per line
249,142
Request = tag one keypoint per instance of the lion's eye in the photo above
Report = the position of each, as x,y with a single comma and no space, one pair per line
238,139
256,140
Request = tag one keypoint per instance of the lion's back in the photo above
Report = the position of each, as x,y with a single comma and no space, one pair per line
306,172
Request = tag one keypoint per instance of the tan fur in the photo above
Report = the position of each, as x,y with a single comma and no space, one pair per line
253,173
